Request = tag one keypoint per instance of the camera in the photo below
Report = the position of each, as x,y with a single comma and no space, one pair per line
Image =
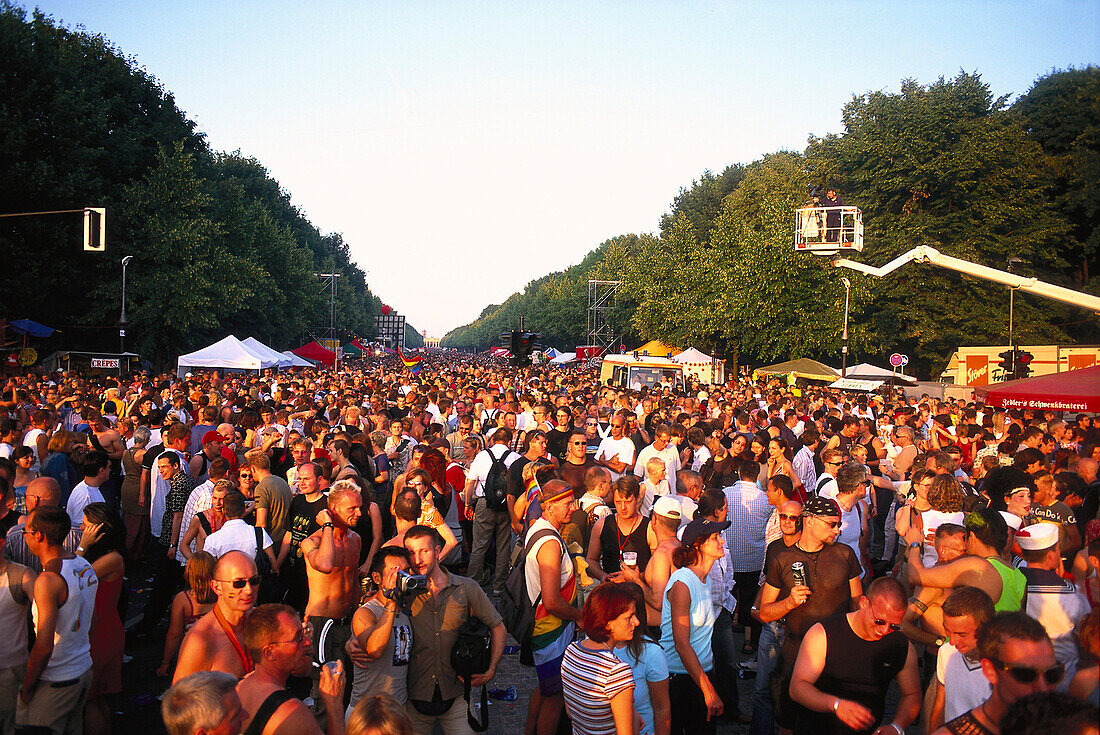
407,586
814,190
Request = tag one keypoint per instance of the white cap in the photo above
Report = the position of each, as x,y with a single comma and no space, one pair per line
1037,536
667,506
1014,521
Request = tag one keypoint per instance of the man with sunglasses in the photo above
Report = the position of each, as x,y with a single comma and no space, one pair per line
831,586
278,642
212,643
1053,601
846,664
1017,659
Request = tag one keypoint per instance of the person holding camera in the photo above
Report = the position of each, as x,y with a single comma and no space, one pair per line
382,632
435,690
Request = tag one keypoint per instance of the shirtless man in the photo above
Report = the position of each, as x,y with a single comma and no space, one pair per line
332,568
664,523
212,644
923,621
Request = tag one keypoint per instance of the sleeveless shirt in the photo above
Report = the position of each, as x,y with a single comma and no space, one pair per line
613,543
72,649
13,618
387,674
855,669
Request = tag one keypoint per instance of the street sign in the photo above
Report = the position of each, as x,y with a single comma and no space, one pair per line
899,360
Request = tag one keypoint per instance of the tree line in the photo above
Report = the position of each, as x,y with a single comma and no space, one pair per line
217,245
944,164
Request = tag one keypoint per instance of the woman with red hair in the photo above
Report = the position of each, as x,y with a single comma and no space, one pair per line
598,687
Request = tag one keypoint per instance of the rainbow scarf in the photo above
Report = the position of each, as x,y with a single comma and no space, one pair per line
412,363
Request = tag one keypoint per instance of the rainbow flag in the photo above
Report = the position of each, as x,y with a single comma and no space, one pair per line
412,363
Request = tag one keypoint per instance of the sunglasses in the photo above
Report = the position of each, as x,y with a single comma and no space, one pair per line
893,626
238,584
790,517
1027,675
830,524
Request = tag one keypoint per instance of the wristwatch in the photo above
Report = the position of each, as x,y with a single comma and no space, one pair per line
914,545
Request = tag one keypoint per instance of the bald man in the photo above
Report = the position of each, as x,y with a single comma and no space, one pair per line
212,643
42,491
846,663
1085,508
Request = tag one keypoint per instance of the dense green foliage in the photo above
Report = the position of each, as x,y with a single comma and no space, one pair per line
217,246
945,165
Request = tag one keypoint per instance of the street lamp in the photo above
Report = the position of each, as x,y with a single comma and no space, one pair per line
844,335
1012,263
122,317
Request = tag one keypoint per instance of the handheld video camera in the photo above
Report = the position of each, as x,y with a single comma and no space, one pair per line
407,587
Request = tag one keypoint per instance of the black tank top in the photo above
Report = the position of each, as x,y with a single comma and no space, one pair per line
854,669
613,543
872,455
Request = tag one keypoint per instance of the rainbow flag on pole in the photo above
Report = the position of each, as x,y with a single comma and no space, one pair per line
412,363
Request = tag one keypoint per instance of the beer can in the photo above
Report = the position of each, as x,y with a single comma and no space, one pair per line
798,571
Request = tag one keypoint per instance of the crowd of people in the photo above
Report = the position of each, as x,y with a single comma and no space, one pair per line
350,552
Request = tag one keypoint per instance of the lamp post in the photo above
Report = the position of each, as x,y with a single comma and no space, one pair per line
844,334
122,317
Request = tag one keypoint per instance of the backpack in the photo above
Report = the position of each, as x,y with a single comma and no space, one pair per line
516,607
496,482
270,588
470,656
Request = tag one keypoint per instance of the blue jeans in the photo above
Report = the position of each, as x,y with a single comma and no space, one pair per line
767,653
725,662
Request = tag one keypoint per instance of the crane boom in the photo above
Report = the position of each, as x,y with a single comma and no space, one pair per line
926,254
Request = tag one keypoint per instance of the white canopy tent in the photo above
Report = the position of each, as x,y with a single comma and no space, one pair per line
564,357
228,353
296,361
701,364
867,371
261,349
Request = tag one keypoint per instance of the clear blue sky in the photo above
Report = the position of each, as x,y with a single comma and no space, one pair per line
464,149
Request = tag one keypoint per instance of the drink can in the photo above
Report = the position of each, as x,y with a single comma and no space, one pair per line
798,571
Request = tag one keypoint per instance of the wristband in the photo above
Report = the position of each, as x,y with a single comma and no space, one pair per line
915,545
81,549
836,704
897,727
327,524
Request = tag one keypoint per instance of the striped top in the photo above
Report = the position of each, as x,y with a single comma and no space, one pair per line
590,680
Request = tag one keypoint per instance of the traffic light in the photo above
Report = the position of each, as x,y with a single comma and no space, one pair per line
1006,362
95,229
1023,364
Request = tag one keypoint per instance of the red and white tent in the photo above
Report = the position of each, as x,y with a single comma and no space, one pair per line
500,352
1075,391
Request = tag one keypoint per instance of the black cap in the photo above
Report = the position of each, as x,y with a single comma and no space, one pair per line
819,506
701,528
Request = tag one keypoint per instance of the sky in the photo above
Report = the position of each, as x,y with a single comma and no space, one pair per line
464,149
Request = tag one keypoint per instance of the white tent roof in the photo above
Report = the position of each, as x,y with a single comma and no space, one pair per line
296,361
551,352
692,356
867,371
564,357
264,351
227,353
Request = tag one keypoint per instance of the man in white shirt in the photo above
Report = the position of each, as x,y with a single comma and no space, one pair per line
487,522
832,460
959,685
97,469
616,451
236,534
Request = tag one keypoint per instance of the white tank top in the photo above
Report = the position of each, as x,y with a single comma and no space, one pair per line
30,439
931,520
13,620
72,654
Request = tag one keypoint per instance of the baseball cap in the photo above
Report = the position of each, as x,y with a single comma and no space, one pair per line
701,528
667,506
212,436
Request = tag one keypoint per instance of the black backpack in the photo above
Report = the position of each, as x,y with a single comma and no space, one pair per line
515,606
470,656
496,482
270,588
